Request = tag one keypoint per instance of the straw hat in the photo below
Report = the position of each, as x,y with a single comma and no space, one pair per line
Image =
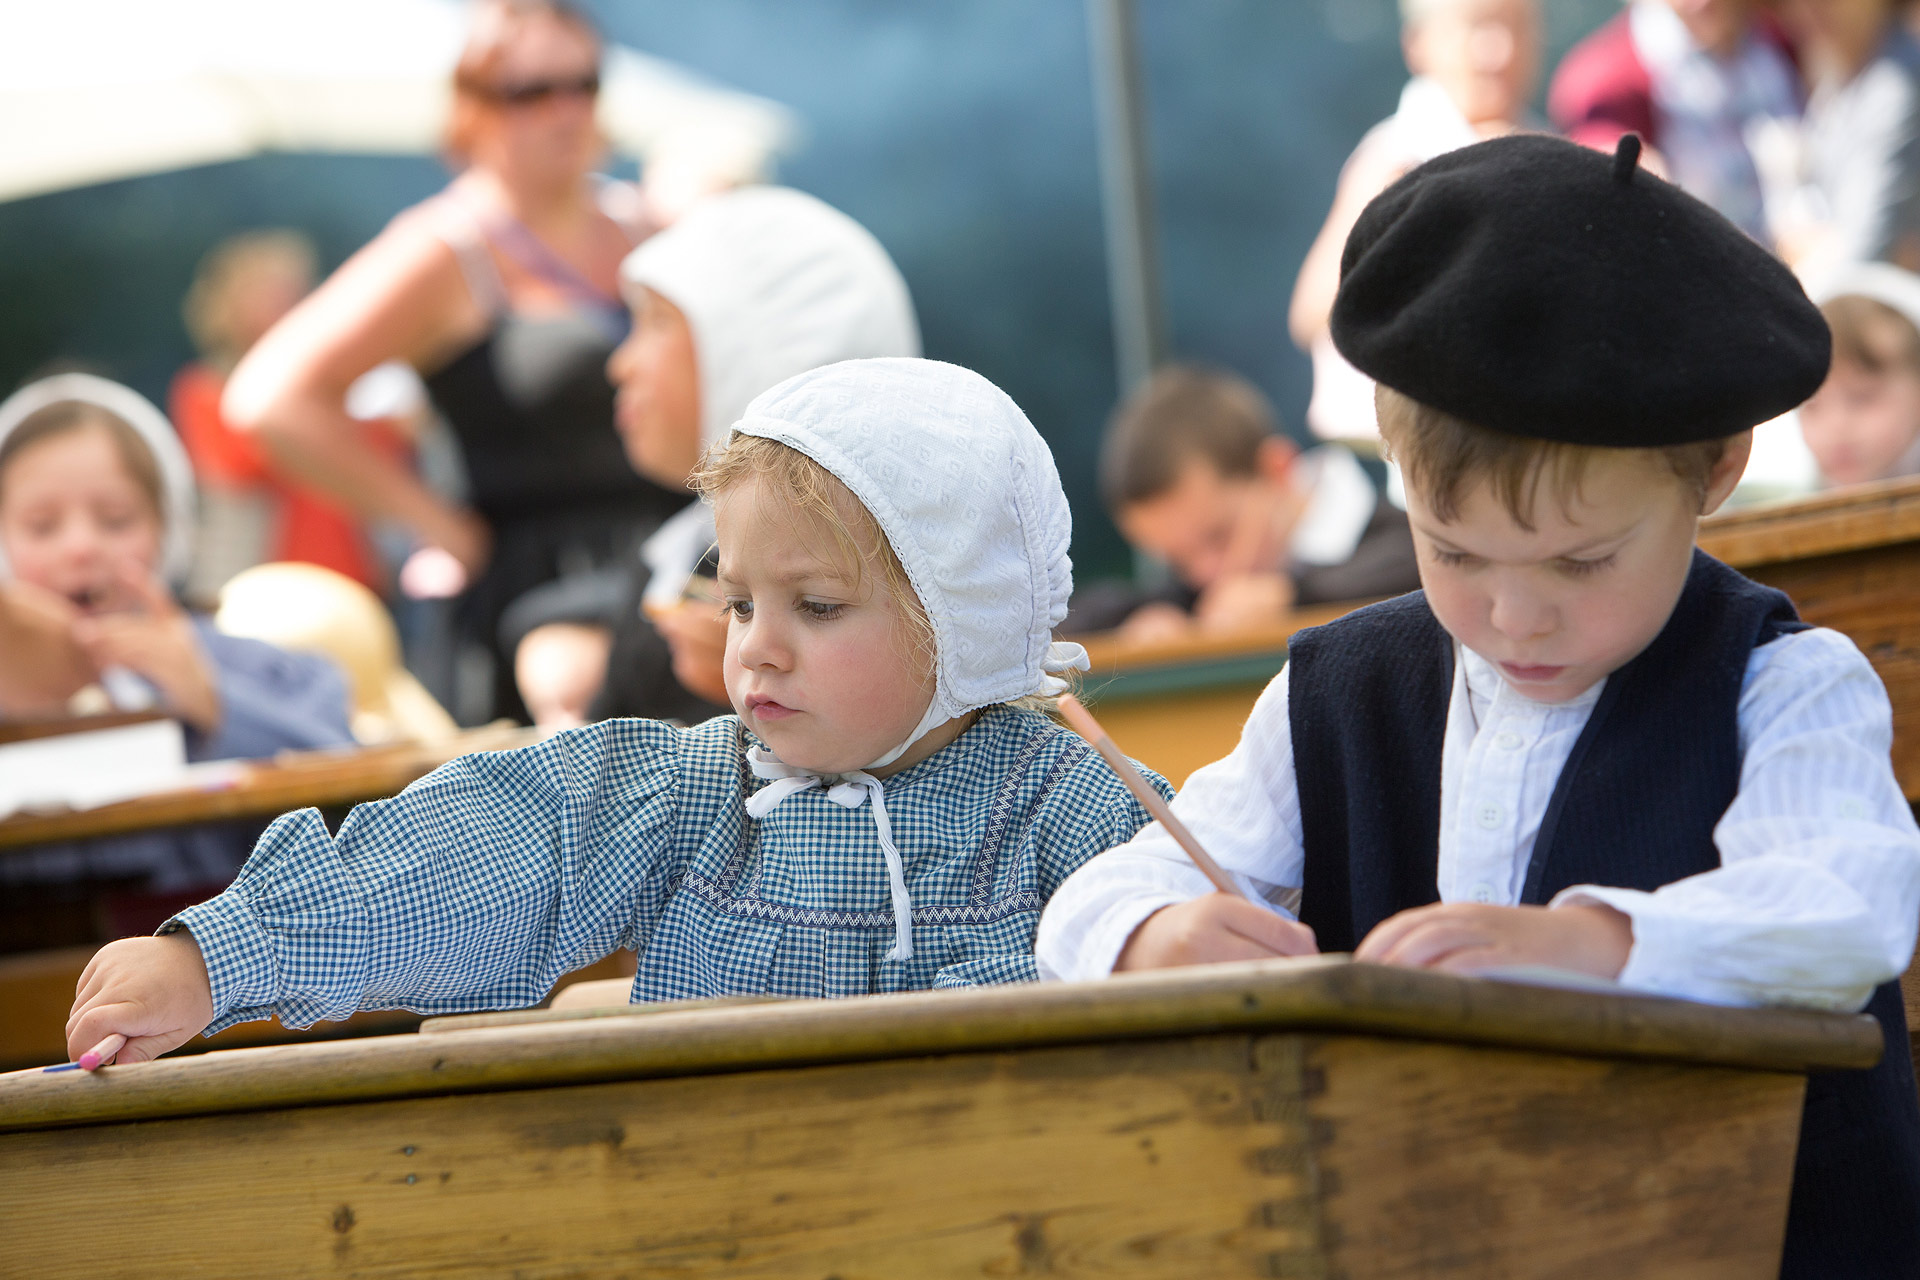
306,608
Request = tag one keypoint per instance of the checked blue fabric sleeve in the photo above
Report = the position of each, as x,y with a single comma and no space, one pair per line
476,887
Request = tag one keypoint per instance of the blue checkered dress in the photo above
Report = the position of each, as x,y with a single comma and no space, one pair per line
484,882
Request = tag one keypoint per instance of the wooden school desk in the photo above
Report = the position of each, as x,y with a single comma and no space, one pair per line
1304,1119
1850,560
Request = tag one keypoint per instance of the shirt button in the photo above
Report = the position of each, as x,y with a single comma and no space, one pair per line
1852,807
1483,892
1509,741
1489,816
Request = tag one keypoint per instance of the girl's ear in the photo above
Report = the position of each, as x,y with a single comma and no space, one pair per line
1726,473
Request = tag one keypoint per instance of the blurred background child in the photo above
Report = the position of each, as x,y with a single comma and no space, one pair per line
1197,474
747,289
251,510
1694,78
95,514
1858,161
1474,64
1864,422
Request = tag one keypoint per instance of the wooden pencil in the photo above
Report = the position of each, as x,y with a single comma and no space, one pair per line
1087,727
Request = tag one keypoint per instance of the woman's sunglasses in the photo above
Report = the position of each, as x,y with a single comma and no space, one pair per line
529,92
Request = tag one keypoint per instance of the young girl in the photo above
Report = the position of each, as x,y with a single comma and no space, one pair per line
96,506
886,811
1864,422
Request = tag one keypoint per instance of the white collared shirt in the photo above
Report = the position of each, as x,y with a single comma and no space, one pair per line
1816,902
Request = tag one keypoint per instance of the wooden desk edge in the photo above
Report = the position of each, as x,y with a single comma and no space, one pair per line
1867,515
1324,995
304,780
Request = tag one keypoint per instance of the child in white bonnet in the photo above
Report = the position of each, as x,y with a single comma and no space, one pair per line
887,811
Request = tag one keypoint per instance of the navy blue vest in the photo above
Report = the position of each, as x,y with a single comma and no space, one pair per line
1648,779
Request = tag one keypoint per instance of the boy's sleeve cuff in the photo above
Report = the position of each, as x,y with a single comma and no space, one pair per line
1663,960
239,957
1108,938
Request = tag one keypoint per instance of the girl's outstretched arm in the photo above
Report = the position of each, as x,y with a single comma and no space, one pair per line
477,887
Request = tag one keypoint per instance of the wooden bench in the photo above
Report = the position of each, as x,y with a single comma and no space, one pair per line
1308,1119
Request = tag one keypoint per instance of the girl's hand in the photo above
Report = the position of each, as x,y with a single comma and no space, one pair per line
153,991
1466,937
41,664
1212,930
156,641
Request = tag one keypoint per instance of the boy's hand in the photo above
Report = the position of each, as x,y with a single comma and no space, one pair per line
1466,937
1211,930
153,991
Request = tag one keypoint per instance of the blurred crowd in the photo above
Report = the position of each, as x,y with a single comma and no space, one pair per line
465,452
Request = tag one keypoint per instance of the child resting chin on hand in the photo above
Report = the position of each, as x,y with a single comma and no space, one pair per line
96,507
1585,743
888,810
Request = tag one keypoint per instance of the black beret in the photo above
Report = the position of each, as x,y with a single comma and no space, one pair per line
1537,287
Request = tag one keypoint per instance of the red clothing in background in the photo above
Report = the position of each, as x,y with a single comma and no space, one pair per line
309,526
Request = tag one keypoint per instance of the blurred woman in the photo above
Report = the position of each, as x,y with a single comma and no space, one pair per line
502,292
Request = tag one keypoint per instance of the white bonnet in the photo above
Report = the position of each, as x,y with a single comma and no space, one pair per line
1888,285
138,412
966,492
772,282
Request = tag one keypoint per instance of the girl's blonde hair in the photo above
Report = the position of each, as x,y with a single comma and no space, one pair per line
809,490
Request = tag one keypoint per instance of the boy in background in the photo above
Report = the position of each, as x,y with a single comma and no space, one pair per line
1585,744
1197,474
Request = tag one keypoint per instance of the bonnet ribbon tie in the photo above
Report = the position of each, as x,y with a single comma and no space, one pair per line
1062,656
850,792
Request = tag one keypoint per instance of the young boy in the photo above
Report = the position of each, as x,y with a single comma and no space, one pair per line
1196,473
1585,744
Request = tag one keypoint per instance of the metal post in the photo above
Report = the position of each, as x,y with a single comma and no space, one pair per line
1126,191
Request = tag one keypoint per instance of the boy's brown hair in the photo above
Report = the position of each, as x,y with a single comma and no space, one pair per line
1441,456
1181,413
1872,335
64,417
